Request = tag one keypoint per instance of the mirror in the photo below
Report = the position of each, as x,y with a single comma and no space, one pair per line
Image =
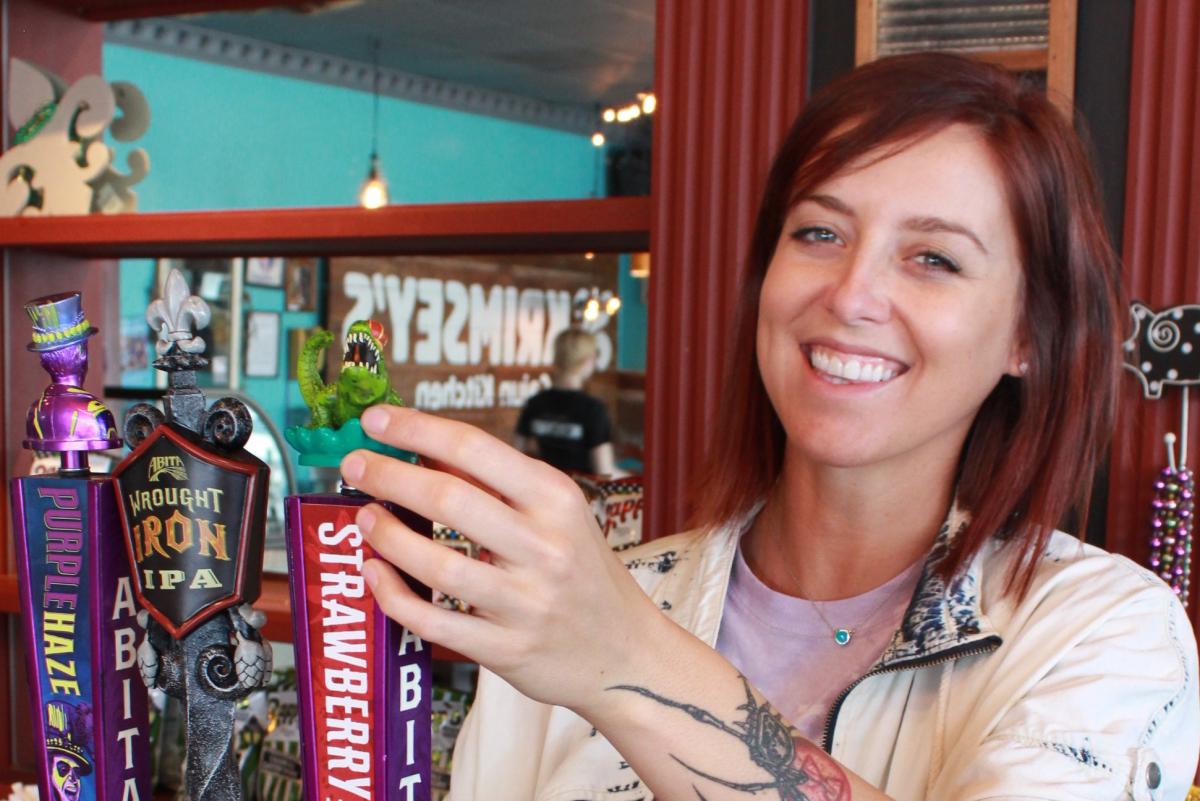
469,337
275,108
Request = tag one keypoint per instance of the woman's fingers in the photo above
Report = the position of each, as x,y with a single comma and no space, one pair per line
464,448
441,497
468,635
429,562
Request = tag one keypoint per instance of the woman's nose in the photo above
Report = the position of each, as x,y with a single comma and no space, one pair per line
858,290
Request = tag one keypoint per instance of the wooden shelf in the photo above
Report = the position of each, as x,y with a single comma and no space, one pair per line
558,226
275,601
1028,60
105,10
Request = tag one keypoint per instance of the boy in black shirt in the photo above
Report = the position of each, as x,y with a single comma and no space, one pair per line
564,425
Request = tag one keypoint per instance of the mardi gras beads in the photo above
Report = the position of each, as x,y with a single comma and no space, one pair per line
1171,525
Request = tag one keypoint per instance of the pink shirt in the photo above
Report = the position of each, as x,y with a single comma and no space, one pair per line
783,646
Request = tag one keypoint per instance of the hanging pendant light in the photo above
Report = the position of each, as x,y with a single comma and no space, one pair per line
373,193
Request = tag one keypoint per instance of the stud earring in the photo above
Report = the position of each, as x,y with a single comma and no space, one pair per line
1023,368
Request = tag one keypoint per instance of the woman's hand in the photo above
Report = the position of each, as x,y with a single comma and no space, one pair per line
555,612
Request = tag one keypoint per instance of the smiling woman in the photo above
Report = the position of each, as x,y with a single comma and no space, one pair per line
875,602
880,272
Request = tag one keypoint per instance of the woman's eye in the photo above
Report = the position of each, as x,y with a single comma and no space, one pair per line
816,234
936,261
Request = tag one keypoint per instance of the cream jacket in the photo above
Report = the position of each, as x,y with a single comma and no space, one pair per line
1086,689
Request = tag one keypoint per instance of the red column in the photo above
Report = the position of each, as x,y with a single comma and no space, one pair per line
1162,246
71,47
730,77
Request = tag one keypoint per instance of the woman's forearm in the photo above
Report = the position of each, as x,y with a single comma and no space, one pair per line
692,728
559,617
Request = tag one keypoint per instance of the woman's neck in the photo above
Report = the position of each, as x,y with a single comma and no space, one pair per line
826,533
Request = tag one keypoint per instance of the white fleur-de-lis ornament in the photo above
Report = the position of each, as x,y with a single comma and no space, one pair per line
176,314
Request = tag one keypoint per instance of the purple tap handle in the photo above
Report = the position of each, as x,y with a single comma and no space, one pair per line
66,418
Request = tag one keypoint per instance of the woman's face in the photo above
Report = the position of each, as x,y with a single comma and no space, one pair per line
890,308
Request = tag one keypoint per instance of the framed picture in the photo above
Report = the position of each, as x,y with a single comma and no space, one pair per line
265,271
262,344
301,284
135,345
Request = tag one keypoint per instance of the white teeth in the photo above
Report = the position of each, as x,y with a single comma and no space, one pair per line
849,369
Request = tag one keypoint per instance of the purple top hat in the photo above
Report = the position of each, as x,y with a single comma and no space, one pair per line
58,321
66,418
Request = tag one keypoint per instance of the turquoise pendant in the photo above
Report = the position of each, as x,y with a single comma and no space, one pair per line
842,636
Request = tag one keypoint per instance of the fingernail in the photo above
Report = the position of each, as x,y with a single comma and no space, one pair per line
366,519
374,420
353,467
370,573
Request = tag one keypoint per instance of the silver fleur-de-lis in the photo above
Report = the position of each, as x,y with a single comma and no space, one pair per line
175,314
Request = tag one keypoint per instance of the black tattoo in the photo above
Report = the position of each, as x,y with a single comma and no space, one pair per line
663,563
800,771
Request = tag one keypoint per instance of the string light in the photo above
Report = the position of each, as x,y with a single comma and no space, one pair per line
646,103
595,307
598,139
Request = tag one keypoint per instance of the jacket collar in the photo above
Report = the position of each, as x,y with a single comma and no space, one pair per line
943,618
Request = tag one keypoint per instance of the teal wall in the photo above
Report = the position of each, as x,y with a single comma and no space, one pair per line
631,321
227,138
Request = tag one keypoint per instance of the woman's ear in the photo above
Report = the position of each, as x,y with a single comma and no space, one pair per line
1018,363
1018,357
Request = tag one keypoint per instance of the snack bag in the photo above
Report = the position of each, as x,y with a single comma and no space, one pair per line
169,747
624,502
250,723
449,709
590,485
279,765
453,539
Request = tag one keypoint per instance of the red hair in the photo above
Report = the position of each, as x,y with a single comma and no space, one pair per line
1033,449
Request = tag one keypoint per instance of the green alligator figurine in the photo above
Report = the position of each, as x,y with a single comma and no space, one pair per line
363,381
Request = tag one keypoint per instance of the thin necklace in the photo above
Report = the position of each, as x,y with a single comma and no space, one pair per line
842,635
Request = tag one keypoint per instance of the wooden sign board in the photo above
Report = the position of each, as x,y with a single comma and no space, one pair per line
471,337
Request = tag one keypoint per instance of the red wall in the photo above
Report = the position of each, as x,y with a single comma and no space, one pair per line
1161,245
730,78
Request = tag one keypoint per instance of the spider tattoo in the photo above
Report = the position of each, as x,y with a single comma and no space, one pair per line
797,774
